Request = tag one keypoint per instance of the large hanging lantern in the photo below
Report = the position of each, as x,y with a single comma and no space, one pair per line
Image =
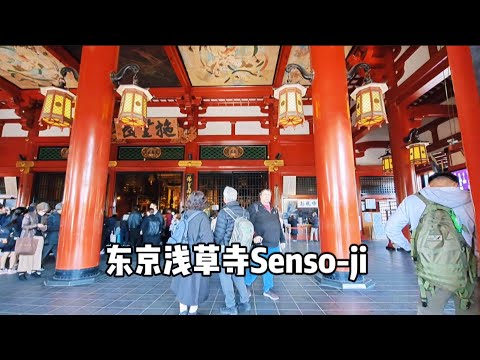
290,104
133,107
387,164
370,107
57,107
418,153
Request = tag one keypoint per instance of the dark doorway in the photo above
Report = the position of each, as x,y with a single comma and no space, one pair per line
142,189
248,185
49,187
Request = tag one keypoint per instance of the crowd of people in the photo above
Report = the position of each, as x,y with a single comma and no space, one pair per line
37,222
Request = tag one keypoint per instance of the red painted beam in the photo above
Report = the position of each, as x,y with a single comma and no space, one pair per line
357,134
177,65
63,56
10,88
421,81
363,146
282,64
432,110
232,92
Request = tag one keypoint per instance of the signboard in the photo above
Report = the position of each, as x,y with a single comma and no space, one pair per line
463,179
308,203
157,128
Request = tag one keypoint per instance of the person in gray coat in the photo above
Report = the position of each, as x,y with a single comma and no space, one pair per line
193,289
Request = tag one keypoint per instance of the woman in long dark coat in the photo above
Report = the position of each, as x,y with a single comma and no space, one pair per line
193,289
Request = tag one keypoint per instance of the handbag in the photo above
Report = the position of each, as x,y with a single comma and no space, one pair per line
113,237
26,246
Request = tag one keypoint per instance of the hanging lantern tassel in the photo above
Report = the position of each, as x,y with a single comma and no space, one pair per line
370,107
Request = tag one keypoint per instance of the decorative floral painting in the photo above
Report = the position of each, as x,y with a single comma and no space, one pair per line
299,55
30,67
230,65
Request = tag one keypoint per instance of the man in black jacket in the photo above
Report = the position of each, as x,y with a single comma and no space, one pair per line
222,235
134,221
269,233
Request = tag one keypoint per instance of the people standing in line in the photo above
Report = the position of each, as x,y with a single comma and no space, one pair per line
193,289
134,223
151,228
222,235
314,230
268,232
53,227
33,225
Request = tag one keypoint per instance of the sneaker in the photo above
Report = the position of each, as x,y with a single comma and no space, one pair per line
183,312
270,294
244,307
36,274
229,310
12,271
3,271
249,290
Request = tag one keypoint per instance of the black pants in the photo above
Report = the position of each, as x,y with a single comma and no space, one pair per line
135,237
50,247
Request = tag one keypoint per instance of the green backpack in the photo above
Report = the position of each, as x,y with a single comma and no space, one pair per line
442,257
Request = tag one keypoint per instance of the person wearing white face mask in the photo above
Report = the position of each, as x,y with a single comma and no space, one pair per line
33,225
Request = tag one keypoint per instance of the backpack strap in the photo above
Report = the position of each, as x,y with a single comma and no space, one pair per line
424,199
230,212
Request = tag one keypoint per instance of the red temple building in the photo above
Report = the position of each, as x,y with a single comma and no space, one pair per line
214,118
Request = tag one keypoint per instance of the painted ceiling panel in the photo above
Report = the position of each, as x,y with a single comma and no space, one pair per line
230,65
299,55
29,67
155,68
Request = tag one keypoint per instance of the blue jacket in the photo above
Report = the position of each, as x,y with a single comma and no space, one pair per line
225,223
53,227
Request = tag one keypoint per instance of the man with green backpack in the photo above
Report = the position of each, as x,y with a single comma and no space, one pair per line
442,221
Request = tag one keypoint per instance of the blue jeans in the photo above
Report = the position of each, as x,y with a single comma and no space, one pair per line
267,277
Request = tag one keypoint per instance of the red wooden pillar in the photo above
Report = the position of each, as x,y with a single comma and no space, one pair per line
87,167
25,189
467,99
274,178
111,195
334,162
25,184
403,171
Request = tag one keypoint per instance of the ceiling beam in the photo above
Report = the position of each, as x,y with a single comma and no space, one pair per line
230,92
10,88
62,55
432,110
177,65
357,134
282,64
363,146
421,81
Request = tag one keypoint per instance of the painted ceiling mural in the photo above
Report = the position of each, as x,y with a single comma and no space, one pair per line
30,67
230,65
155,68
299,55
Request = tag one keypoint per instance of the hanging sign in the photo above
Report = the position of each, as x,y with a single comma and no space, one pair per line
308,203
157,128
